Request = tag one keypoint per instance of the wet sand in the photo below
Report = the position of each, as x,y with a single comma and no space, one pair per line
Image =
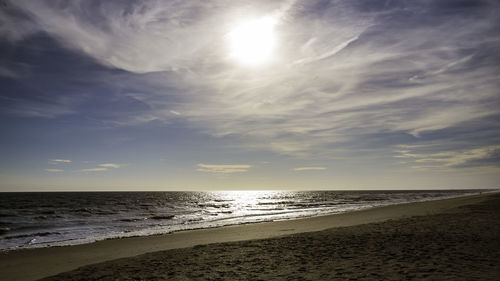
452,239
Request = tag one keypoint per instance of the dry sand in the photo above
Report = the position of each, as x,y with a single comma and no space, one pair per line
436,240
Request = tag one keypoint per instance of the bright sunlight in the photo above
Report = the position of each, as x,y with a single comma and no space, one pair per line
252,42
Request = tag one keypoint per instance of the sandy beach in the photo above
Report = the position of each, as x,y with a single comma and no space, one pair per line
249,140
451,239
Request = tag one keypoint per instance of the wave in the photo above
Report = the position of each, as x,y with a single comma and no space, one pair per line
38,234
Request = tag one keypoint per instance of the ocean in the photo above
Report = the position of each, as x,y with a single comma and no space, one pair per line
29,220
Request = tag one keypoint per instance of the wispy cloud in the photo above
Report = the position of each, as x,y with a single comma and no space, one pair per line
361,88
309,169
102,167
223,169
109,165
14,26
59,161
159,36
330,53
94,170
54,170
420,157
348,74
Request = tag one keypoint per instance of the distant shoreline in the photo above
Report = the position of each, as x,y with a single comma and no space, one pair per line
44,262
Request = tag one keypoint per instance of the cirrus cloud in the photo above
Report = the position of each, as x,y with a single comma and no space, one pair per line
349,75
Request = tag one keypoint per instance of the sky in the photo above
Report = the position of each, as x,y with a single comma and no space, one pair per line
220,94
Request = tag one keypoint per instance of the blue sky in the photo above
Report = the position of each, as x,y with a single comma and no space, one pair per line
144,95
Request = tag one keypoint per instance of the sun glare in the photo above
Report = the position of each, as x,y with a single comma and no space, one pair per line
253,42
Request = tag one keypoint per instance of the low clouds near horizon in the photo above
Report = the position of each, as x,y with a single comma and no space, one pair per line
309,169
222,169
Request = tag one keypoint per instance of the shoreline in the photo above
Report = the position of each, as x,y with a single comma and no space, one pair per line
43,262
155,232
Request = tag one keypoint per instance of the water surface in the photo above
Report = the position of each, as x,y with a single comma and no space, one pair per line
64,218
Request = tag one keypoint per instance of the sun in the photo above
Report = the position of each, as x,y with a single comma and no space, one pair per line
253,42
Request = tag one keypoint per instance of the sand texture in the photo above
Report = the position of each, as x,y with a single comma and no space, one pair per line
462,243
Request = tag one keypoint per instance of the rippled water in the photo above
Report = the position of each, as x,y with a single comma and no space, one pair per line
61,218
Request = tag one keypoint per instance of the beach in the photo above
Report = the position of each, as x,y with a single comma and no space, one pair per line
249,140
450,239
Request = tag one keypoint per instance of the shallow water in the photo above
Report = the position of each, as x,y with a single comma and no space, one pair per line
64,218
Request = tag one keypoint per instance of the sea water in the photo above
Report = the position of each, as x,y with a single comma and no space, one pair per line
29,220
